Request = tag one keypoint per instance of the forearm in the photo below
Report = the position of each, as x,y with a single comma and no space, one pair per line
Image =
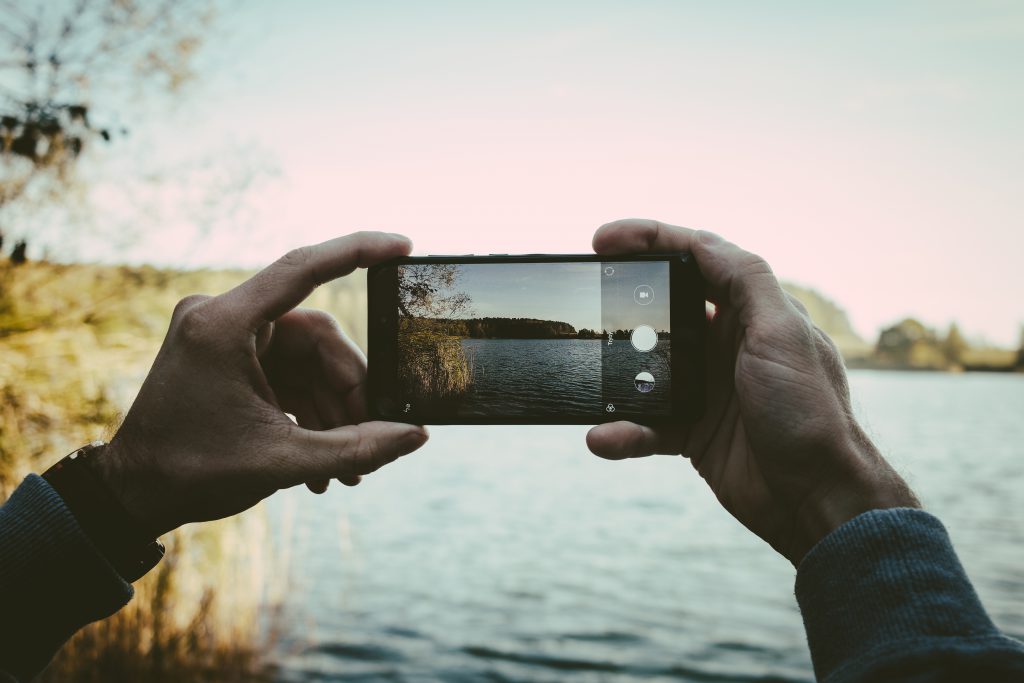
52,578
884,597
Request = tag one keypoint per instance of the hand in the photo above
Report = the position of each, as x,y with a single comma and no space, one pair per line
778,443
208,437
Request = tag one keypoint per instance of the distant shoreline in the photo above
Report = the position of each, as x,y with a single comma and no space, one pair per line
870,364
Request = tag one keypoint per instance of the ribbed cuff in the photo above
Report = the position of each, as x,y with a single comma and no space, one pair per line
884,584
53,579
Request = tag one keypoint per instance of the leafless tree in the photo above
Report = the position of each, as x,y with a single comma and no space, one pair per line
70,73
431,291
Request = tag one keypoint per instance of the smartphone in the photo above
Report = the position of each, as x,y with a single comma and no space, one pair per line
536,339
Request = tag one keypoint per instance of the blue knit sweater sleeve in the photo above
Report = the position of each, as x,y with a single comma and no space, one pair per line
884,598
52,579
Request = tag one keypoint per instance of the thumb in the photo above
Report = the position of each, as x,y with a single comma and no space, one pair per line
345,452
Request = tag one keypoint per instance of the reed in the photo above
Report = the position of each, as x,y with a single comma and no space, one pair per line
433,365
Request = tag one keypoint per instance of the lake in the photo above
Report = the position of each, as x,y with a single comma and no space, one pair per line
512,554
562,376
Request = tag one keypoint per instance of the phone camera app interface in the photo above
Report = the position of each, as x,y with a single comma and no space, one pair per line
508,339
636,363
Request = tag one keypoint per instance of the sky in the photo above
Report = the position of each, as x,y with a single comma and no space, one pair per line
564,292
871,150
623,285
592,296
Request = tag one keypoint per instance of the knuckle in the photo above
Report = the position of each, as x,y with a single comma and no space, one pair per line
196,325
754,265
791,332
297,257
303,259
321,319
187,304
798,305
825,343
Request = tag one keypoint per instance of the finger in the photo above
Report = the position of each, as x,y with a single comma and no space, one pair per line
319,486
638,235
310,353
307,417
347,451
284,284
331,406
350,480
797,304
306,335
738,278
734,276
302,407
621,440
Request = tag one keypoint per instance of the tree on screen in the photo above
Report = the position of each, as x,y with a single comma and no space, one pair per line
431,291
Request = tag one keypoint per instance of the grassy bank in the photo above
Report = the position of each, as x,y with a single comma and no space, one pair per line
75,344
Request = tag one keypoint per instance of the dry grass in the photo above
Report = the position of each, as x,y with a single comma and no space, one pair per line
194,618
433,365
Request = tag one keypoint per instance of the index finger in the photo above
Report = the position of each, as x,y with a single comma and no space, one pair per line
284,284
733,276
639,235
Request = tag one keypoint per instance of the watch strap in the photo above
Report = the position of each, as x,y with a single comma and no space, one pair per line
126,544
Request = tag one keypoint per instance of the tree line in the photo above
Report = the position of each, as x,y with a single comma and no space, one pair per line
511,328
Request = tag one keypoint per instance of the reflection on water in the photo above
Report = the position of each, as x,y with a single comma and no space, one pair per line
511,554
563,376
533,376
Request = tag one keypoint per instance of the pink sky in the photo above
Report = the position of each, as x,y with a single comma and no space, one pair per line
873,153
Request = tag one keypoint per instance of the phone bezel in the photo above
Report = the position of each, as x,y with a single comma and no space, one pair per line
688,316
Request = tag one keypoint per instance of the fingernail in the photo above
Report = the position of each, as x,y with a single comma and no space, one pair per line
709,238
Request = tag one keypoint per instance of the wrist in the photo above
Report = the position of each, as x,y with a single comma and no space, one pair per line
865,482
125,540
129,485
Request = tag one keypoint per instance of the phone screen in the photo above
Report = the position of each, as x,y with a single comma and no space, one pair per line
572,341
